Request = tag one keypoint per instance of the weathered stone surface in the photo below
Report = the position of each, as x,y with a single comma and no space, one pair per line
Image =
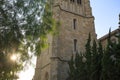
52,63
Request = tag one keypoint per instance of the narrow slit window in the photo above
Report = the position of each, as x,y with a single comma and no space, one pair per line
74,23
75,44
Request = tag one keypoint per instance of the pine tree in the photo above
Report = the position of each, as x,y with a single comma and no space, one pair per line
77,68
106,63
88,56
100,57
111,61
71,69
94,62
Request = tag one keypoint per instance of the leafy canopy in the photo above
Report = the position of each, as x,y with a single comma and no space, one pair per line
24,25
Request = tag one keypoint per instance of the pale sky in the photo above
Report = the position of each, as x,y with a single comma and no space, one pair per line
106,15
29,71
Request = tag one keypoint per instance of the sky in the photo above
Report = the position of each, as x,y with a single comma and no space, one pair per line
28,73
106,16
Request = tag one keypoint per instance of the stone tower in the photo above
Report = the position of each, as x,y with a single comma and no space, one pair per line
77,22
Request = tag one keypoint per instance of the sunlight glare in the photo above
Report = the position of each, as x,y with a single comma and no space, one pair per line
13,57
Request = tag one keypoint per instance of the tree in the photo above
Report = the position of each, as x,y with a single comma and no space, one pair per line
99,60
88,56
8,68
80,67
24,25
111,59
96,61
87,65
24,22
77,70
98,64
93,55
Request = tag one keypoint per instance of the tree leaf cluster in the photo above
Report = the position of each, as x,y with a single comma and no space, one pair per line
24,26
8,68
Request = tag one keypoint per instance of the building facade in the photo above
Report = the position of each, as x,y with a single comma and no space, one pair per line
113,38
77,22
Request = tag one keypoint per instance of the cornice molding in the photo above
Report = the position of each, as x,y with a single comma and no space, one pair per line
72,12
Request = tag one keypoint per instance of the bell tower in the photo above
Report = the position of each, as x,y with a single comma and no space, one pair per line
77,22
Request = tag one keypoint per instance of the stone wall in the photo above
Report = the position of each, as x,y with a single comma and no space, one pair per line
52,63
67,34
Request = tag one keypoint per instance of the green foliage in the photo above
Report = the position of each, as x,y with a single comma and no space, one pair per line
111,60
88,56
96,63
8,68
24,26
76,67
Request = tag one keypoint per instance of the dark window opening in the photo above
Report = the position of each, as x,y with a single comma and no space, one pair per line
75,44
74,23
79,1
72,0
46,76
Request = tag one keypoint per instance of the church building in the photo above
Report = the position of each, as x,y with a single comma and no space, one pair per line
77,22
